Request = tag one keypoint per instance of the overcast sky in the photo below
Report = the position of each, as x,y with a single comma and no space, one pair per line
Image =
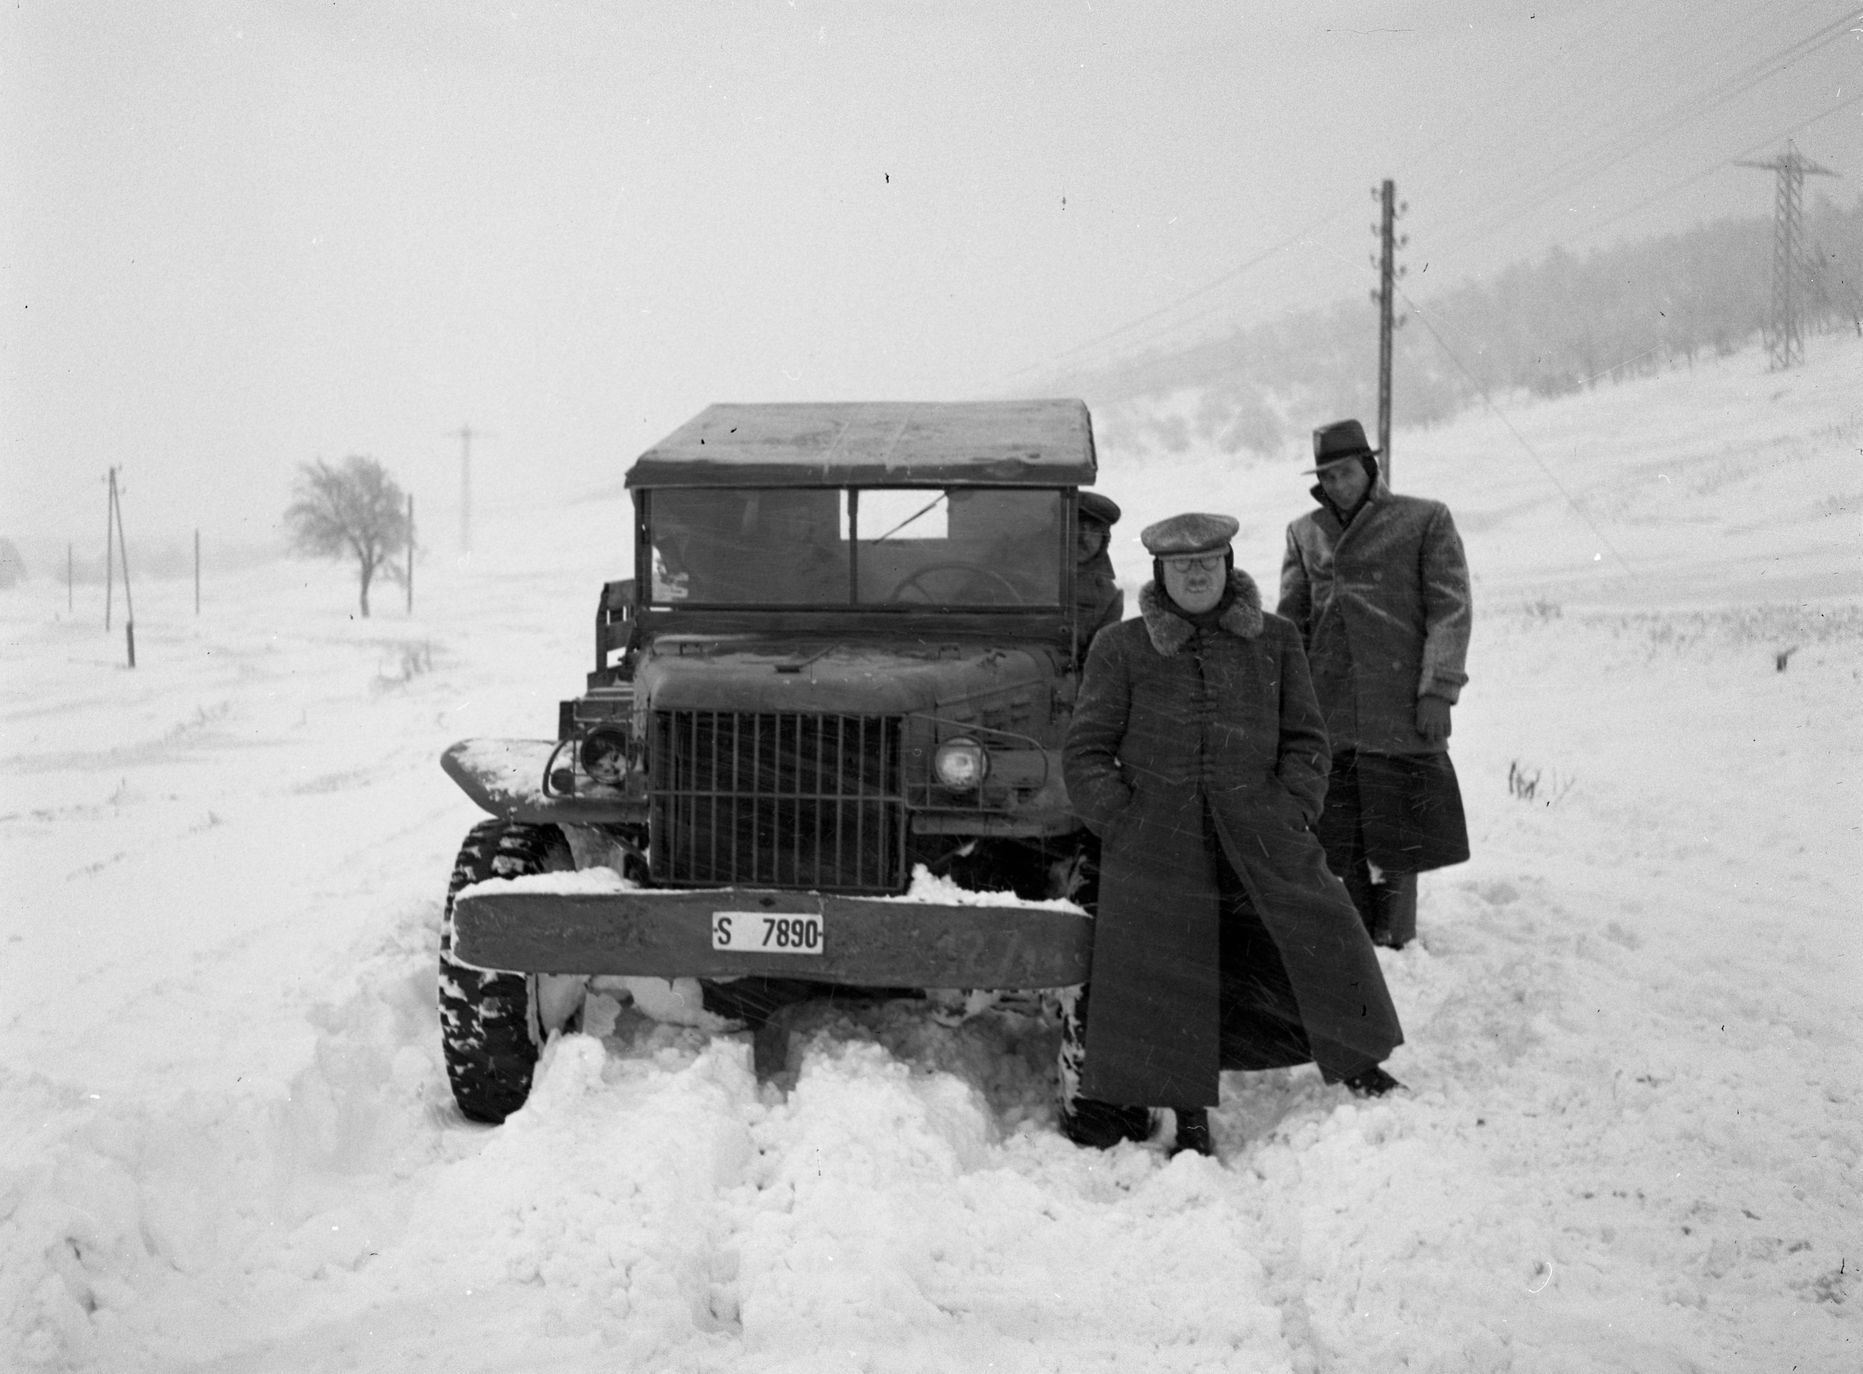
241,235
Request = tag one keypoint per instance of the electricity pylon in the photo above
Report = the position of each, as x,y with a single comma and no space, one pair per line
1785,340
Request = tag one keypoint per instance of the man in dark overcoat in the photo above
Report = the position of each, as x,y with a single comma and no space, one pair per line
1196,753
1098,602
1378,586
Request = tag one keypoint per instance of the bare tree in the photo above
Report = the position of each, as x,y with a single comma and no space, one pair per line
355,511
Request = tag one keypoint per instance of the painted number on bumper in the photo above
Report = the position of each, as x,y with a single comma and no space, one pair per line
763,933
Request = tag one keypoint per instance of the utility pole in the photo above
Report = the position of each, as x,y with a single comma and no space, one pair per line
1389,274
1785,341
114,532
465,433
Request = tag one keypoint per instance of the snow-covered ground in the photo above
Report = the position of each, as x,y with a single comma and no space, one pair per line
1633,1133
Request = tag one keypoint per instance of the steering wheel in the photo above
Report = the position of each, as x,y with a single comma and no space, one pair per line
955,565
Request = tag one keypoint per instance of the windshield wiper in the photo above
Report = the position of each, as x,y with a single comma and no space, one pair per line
923,510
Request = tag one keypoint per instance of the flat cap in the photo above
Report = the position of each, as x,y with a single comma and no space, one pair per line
1184,535
1102,508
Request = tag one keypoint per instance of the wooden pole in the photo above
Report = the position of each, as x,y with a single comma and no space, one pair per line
197,572
410,553
129,605
70,598
1387,281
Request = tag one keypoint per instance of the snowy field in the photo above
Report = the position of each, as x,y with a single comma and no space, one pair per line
1631,1140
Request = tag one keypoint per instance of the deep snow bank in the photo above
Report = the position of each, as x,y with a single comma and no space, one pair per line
1632,1139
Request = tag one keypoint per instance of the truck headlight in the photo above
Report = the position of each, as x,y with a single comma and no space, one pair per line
961,763
604,755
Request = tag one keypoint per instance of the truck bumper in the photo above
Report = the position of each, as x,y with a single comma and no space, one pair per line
866,941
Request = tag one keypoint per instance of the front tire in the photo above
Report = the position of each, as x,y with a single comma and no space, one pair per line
489,1029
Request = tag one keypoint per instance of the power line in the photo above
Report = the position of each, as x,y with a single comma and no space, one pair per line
1557,109
1206,288
1585,166
1556,106
1585,163
1572,171
1714,167
1519,438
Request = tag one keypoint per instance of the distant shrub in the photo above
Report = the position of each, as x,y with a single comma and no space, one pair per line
1529,782
413,658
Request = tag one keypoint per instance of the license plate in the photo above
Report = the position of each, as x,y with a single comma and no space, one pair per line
762,932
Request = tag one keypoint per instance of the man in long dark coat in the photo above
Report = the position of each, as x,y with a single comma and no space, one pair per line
1098,602
1378,586
1197,755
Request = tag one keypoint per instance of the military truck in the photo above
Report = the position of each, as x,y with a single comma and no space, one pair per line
818,755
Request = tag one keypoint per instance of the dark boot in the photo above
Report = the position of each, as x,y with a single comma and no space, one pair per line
1395,924
1193,1132
1097,1125
1372,1082
1363,892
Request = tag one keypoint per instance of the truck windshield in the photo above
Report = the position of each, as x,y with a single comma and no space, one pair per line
840,546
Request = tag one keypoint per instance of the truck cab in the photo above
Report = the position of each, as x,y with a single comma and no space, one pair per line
818,753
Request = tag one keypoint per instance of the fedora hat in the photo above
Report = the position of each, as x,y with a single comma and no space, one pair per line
1339,441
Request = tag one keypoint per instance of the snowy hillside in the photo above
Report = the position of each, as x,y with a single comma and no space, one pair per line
1633,1140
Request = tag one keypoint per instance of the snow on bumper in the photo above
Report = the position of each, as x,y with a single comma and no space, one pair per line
565,923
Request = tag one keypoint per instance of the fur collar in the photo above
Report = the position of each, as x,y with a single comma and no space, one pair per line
1170,632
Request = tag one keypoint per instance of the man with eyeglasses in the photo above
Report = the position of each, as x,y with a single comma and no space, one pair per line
1378,585
1197,754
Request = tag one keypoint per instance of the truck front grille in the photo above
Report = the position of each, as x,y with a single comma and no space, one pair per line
778,799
